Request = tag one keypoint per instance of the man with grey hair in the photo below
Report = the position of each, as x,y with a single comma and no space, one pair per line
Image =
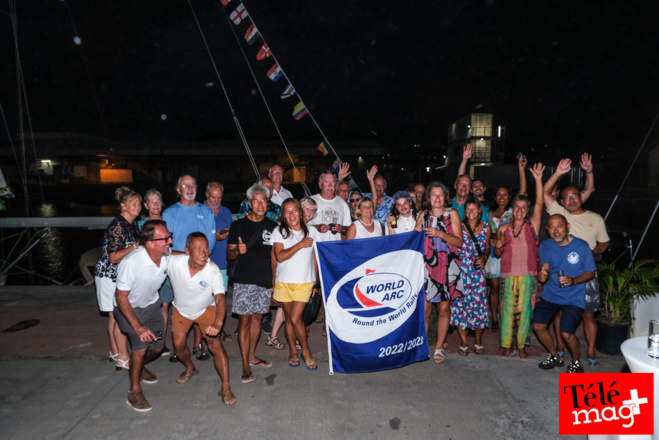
333,215
183,218
252,269
272,212
278,193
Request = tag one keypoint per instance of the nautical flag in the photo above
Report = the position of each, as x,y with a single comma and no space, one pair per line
239,14
263,53
225,2
252,34
275,72
374,301
288,92
322,149
300,110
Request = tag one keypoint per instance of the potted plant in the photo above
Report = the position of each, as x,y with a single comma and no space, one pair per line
618,289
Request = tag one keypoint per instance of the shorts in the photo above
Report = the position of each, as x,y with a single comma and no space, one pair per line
182,324
166,292
544,313
250,298
592,296
151,318
105,292
288,292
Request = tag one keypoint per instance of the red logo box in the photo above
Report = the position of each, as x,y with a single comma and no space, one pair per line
606,403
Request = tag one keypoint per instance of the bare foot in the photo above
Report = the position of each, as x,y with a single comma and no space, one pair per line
506,353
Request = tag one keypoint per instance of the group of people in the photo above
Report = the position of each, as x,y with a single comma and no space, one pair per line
186,254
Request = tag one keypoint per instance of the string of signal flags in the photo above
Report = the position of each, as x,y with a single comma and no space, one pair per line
275,73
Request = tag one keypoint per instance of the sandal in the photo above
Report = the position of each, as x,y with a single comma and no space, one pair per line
261,363
225,337
310,365
275,343
439,355
113,357
227,398
293,362
593,362
298,347
184,377
247,379
121,365
463,351
495,327
479,349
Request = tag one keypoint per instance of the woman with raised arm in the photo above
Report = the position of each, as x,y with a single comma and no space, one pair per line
516,244
443,281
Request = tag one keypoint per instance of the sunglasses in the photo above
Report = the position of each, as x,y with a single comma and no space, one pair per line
171,235
354,200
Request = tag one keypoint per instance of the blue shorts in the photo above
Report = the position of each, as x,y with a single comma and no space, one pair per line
544,313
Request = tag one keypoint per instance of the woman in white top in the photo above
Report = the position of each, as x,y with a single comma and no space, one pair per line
296,276
365,226
405,221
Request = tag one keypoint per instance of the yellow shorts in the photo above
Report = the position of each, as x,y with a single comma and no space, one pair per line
182,324
287,292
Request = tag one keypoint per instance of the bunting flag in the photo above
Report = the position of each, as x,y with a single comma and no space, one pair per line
239,14
264,52
322,149
288,92
252,34
374,301
300,110
275,72
225,2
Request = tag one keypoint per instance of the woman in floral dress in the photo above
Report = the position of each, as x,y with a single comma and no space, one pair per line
470,310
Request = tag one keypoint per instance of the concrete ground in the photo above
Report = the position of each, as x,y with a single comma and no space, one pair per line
56,383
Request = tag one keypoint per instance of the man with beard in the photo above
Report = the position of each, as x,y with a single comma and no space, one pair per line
183,218
588,226
137,305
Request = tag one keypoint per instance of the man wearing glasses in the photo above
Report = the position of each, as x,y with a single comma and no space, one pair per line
588,226
182,219
137,305
279,193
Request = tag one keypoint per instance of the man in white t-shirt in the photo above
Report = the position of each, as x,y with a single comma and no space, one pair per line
137,305
333,216
279,193
199,299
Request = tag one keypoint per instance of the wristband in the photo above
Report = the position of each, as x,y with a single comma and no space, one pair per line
589,172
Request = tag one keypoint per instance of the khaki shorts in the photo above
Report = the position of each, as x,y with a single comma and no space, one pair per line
182,324
287,292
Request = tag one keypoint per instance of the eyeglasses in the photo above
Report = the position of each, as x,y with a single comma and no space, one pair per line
572,197
171,235
189,185
354,200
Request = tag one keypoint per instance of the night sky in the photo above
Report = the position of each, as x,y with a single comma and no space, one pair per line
579,75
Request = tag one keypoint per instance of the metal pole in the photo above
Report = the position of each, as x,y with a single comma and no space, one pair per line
646,231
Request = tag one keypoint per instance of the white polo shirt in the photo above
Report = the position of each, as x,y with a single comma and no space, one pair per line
192,295
139,275
279,197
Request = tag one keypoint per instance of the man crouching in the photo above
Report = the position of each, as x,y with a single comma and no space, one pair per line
199,297
137,310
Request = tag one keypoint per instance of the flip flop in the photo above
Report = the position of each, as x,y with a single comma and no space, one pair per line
593,362
293,362
479,349
184,377
261,363
228,398
247,379
310,365
463,351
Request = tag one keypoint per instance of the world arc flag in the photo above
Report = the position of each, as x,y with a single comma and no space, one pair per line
374,302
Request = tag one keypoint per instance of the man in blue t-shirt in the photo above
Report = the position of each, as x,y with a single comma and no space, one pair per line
566,265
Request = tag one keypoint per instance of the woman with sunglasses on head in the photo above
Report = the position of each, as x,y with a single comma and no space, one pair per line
120,238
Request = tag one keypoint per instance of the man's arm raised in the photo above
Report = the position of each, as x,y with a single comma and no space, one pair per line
587,165
467,152
562,168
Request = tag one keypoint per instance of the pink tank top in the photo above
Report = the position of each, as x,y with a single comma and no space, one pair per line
520,255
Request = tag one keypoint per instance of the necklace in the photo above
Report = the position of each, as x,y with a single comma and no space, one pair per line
520,229
366,224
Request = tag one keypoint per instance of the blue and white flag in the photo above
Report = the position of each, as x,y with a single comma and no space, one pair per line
374,301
